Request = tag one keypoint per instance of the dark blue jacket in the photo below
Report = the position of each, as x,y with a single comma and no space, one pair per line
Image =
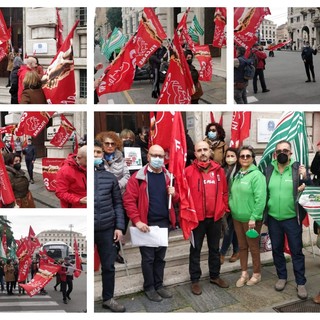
239,72
30,152
108,208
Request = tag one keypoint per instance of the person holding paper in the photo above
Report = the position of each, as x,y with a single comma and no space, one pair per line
209,191
146,204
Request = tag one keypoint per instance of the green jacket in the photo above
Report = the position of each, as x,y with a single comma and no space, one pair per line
248,195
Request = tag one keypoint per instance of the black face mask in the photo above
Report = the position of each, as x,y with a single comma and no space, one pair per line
127,143
17,166
282,158
189,61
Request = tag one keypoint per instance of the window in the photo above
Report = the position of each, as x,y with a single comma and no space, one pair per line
298,19
81,14
83,83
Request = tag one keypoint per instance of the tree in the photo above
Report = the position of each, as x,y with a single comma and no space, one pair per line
114,17
4,221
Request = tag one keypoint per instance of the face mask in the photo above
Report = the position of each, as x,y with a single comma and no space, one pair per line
231,161
156,163
212,135
97,161
282,158
203,165
189,61
127,143
17,166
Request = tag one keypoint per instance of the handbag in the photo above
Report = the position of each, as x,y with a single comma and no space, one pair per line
265,242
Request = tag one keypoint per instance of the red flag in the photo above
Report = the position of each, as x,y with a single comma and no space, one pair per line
33,241
4,240
240,128
279,45
220,20
59,29
306,221
204,57
286,248
8,129
119,75
149,36
76,144
6,193
183,33
41,279
32,123
60,86
5,36
213,120
24,257
50,167
177,161
63,134
77,272
246,23
45,259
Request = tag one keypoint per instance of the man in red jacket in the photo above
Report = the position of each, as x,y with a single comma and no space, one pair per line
209,191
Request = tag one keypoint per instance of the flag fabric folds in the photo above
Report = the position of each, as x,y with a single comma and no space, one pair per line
182,31
204,57
2,252
59,85
196,26
64,132
59,29
5,37
50,167
4,240
240,128
291,127
77,272
279,45
177,161
309,199
6,192
115,41
220,20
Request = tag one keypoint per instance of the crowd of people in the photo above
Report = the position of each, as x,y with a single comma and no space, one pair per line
233,199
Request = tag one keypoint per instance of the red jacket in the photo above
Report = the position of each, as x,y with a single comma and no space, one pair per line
136,199
71,184
261,55
219,193
21,74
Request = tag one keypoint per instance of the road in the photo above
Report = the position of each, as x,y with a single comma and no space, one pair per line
285,77
52,302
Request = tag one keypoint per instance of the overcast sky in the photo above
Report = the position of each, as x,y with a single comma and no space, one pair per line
278,15
20,223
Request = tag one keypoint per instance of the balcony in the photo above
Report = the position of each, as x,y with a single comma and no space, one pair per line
316,21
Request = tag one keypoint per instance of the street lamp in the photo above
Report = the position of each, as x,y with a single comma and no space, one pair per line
70,226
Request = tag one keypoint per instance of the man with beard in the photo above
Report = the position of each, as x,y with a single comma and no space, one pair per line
284,215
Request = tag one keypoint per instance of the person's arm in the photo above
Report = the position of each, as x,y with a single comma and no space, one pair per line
25,98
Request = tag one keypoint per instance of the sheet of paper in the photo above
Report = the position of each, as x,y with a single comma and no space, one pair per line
135,155
157,237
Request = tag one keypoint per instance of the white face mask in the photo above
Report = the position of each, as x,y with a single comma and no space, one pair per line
231,161
156,162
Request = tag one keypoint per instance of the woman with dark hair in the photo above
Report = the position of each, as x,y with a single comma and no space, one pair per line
215,136
247,200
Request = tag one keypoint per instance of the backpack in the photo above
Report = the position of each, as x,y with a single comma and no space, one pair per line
249,70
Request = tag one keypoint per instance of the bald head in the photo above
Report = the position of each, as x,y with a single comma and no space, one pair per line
156,157
82,156
31,62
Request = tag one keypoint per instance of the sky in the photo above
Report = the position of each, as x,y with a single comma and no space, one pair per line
278,15
20,223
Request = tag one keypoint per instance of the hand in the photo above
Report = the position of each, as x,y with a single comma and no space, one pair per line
128,161
117,236
251,224
301,188
302,171
142,226
99,66
83,200
171,191
97,83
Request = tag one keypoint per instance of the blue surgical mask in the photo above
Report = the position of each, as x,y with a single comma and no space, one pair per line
97,161
212,135
156,162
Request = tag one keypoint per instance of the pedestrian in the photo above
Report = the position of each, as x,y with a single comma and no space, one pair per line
259,57
209,191
9,276
2,274
247,200
10,56
284,215
231,167
32,92
18,146
307,57
195,78
315,167
97,82
7,147
146,203
142,141
66,277
240,83
58,279
19,182
71,180
30,157
214,136
109,225
14,79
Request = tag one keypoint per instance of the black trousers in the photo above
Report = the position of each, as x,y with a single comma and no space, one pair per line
67,284
29,166
259,73
309,67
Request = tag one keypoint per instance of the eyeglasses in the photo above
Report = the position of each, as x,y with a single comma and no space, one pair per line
112,144
286,151
156,156
245,156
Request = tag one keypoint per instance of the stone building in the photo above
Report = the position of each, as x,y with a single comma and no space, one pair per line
282,34
267,32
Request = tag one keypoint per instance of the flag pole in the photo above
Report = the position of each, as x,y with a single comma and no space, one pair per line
170,196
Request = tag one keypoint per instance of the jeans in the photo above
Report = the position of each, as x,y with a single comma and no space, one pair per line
212,229
293,231
229,237
107,252
240,96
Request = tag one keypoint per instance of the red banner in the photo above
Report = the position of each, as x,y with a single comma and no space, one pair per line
41,279
6,193
59,29
8,129
177,161
149,36
204,57
119,75
279,45
240,128
23,255
44,258
246,24
4,240
59,82
33,241
5,33
3,49
63,134
182,29
50,167
77,272
220,20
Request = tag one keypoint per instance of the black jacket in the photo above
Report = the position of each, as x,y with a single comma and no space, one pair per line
108,208
307,53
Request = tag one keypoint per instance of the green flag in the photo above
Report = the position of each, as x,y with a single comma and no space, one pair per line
193,35
291,127
116,41
197,27
309,199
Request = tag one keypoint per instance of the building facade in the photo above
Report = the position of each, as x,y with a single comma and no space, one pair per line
267,32
282,34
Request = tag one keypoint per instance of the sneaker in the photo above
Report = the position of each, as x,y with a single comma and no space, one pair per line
68,297
254,280
280,284
65,301
196,288
267,90
164,293
113,305
234,257
242,281
219,282
120,259
153,295
302,292
308,81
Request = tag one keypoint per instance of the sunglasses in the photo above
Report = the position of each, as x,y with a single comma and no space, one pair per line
245,156
286,151
112,144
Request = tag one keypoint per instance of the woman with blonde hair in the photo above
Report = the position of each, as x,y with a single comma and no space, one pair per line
32,93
